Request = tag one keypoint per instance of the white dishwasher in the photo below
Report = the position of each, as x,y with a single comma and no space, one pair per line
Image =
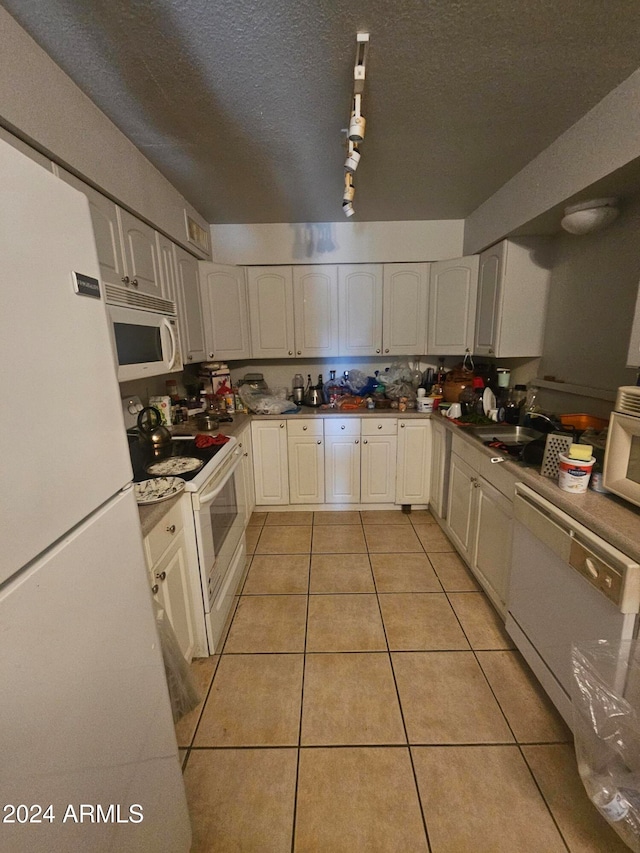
567,586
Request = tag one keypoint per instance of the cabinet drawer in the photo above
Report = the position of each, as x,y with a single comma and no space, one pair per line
379,426
304,426
342,426
466,451
164,533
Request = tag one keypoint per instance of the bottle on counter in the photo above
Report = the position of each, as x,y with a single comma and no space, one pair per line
320,388
332,389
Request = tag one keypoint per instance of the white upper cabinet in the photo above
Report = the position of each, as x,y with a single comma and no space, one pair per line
633,357
167,261
513,286
224,307
360,309
315,301
190,317
270,292
405,306
452,306
142,267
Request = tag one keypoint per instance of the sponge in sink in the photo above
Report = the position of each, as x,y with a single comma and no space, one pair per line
583,452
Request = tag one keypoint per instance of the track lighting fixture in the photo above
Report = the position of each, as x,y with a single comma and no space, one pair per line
357,123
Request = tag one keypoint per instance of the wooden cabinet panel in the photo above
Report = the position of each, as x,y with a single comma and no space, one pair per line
460,514
452,306
140,254
414,461
269,439
342,469
315,300
190,317
405,306
306,469
224,306
378,469
360,309
270,291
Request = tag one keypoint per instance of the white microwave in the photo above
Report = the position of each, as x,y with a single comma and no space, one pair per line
144,334
621,472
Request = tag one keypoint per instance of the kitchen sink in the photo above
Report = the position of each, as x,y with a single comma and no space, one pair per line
506,434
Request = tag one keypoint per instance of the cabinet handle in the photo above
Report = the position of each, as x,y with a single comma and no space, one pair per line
342,427
189,358
134,282
490,352
161,576
319,441
378,351
386,350
212,355
171,528
304,427
155,588
357,441
364,441
281,426
401,426
290,352
379,426
476,485
299,352
125,279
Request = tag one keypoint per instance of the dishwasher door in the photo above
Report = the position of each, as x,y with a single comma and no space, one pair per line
551,604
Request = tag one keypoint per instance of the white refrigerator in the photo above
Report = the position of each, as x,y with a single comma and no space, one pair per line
88,755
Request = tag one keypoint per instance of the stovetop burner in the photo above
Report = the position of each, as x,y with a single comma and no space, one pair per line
143,455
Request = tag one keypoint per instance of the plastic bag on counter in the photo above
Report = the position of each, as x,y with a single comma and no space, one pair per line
398,381
606,707
183,692
266,402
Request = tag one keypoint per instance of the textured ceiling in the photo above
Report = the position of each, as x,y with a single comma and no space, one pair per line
241,104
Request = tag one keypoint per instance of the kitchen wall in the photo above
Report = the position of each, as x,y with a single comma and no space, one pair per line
40,103
337,242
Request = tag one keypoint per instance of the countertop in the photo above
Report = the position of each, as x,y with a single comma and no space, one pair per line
617,521
610,517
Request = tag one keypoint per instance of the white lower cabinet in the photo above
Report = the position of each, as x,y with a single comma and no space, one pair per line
413,478
342,460
378,460
305,446
245,445
440,459
479,518
270,468
166,555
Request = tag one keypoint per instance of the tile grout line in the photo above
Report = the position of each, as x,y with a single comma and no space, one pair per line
404,724
304,667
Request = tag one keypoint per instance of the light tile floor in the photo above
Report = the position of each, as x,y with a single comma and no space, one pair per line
367,698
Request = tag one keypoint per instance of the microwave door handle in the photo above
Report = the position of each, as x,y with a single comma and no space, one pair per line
211,496
172,338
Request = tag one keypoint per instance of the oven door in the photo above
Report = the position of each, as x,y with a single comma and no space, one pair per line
219,516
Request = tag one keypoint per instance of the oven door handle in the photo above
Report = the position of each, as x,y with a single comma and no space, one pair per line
211,496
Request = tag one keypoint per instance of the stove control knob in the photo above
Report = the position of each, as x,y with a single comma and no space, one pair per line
132,409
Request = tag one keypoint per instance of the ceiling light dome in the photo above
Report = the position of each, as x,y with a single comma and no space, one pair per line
589,216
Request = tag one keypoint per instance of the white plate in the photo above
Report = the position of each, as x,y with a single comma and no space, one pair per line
158,489
174,465
488,400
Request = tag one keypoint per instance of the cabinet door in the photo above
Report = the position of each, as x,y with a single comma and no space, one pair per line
405,304
452,306
461,507
189,306
437,460
244,443
378,469
140,254
271,477
360,309
171,574
106,230
306,469
342,469
164,247
633,356
414,462
315,304
489,287
224,306
491,552
270,292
